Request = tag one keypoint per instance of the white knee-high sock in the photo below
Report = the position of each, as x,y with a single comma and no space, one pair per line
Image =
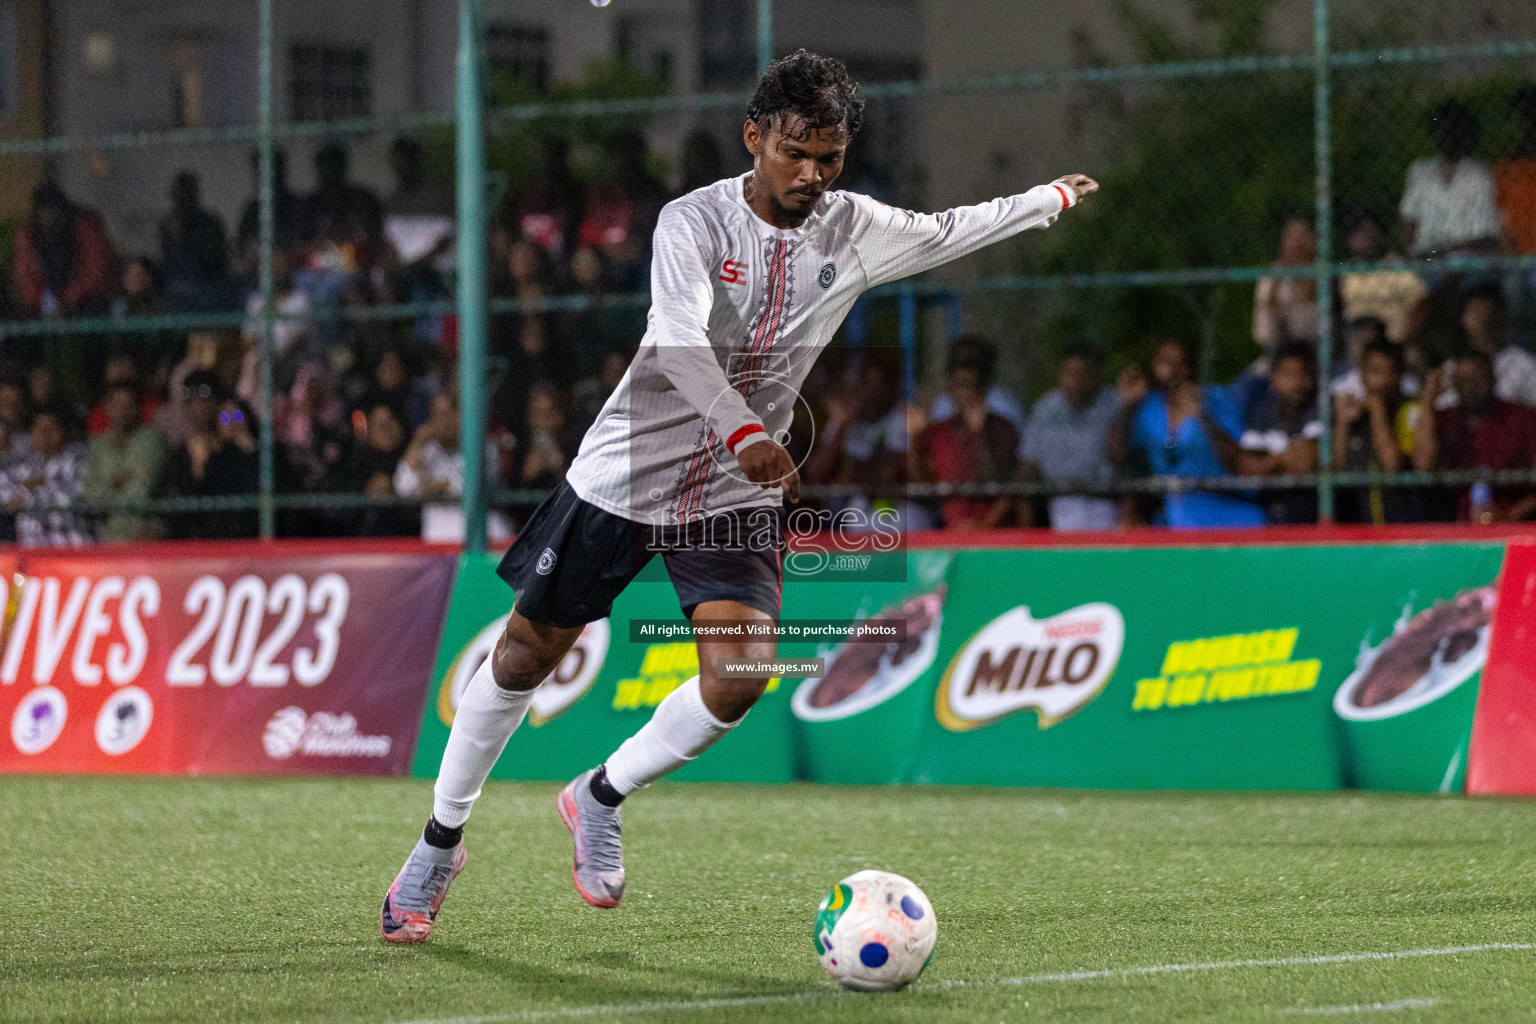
487,717
681,729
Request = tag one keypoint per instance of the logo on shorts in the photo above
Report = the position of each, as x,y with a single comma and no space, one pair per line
38,720
123,720
546,562
828,275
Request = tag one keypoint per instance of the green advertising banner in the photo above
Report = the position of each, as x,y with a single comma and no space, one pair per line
602,692
1274,667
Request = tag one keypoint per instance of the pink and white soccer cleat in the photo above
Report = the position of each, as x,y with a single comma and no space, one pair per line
598,869
412,903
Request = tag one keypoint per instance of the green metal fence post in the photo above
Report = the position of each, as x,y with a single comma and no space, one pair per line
472,270
264,200
764,36
1322,104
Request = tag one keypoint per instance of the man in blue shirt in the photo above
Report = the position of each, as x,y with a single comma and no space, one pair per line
1183,429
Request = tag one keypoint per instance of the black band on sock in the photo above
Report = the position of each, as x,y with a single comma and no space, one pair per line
603,791
441,836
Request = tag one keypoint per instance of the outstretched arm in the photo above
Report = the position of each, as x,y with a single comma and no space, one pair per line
898,243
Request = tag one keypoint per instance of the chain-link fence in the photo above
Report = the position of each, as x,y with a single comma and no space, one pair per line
1351,188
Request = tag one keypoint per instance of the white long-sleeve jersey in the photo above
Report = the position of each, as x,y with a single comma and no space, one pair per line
740,310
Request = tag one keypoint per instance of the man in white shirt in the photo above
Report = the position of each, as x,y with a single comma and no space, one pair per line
751,276
1449,203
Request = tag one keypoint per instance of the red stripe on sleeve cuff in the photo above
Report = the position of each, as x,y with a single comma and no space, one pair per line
1066,200
742,433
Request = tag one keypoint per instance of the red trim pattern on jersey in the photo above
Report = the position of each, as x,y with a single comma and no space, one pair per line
694,488
1066,200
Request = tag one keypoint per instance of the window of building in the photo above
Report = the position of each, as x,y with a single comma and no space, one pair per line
328,81
520,52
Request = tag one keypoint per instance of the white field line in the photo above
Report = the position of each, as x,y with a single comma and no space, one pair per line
1392,1007
1065,977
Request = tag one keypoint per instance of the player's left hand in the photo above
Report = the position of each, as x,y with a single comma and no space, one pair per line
768,465
1083,185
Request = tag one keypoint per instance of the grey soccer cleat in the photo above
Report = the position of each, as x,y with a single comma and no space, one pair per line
598,870
411,905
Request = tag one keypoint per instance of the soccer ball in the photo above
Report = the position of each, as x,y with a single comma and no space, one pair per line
875,931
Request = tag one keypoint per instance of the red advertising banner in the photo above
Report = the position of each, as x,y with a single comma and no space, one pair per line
1502,758
240,660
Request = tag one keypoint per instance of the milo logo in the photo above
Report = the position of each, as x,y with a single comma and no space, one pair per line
572,678
1055,666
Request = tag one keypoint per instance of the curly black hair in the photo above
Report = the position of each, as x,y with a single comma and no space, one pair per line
816,89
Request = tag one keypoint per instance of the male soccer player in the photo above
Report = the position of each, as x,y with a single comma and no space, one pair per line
751,277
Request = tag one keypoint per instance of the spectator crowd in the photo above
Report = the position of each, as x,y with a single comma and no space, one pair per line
1433,369
92,423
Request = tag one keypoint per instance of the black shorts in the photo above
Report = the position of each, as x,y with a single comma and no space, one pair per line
572,559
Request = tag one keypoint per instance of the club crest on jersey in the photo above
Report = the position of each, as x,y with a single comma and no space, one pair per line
828,275
546,562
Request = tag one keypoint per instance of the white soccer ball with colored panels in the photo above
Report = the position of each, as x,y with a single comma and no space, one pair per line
875,931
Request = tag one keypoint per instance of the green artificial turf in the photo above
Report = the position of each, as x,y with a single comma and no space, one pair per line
240,900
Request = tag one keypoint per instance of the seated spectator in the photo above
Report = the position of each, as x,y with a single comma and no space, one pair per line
1183,429
390,384
974,350
1281,432
1395,297
42,487
194,260
64,261
1485,330
1064,442
1482,431
285,217
369,468
420,230
341,216
216,351
591,393
121,370
1515,178
294,337
1285,308
1376,434
546,445
312,433
217,458
432,468
974,446
864,443
123,464
1448,199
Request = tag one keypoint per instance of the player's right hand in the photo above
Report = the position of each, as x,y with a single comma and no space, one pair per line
769,465
1083,185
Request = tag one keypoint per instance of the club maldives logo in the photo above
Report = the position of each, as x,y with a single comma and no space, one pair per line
123,720
1055,665
322,734
563,687
38,720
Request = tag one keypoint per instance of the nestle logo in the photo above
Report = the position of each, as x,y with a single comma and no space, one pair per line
322,734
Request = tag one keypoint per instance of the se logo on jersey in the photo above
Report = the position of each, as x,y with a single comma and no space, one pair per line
733,271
